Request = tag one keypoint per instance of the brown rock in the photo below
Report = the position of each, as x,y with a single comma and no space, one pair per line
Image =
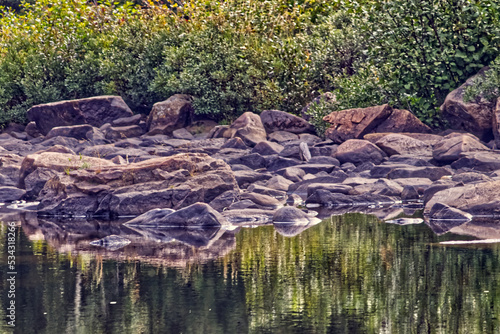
355,123
248,127
475,116
400,144
95,111
401,120
476,199
453,147
496,124
276,120
174,113
123,132
359,151
73,131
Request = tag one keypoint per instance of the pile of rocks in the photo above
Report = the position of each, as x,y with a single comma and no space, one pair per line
93,157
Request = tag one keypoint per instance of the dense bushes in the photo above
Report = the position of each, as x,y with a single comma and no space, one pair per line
237,56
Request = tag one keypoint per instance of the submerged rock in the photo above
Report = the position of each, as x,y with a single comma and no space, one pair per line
111,242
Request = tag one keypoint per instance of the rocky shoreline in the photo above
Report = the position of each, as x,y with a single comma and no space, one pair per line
94,158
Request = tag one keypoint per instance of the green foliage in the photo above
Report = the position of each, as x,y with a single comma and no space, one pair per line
236,56
426,48
487,85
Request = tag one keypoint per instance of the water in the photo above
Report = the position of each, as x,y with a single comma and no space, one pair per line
347,274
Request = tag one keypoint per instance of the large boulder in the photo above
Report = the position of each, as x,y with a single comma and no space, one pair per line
249,128
475,117
453,147
400,144
174,113
359,151
474,198
95,111
276,120
356,123
73,131
167,182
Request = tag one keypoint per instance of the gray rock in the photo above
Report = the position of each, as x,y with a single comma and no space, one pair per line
126,121
254,161
279,183
393,144
454,147
282,137
248,127
276,120
440,211
481,162
195,215
359,151
95,111
245,178
267,148
8,194
174,113
305,155
235,143
182,134
73,131
432,173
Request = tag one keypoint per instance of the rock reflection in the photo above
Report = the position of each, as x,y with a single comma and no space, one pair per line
164,246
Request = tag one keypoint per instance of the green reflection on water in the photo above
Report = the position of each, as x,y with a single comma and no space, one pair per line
349,274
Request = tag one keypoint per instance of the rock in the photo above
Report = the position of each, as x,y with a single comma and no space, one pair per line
248,127
276,120
236,143
111,242
322,160
409,193
440,211
95,111
182,134
305,155
432,173
291,151
60,162
331,187
174,113
301,187
410,160
32,130
473,198
400,144
74,131
355,123
402,121
316,168
126,121
359,151
8,194
475,117
168,182
123,132
470,177
324,197
278,182
436,187
309,139
290,214
254,161
294,174
219,131
225,200
481,161
196,215
245,178
381,187
453,147
35,181
267,148
282,137
249,216
10,166
258,189
262,201
278,163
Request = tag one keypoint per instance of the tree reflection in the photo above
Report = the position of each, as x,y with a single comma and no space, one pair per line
348,274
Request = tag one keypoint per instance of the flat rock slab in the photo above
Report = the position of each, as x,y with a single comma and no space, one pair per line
432,173
452,148
95,111
8,194
482,161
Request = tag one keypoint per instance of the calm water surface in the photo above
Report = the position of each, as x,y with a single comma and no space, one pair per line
348,274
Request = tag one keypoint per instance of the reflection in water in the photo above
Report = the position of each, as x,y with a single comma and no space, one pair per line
348,274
